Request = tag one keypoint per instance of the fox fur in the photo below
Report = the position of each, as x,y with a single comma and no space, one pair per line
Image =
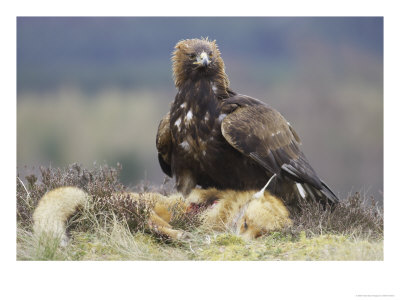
55,208
246,213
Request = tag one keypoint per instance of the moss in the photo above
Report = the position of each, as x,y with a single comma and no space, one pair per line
327,247
121,245
230,252
279,246
91,247
228,239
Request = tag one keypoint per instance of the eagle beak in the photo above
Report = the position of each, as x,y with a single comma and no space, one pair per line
203,60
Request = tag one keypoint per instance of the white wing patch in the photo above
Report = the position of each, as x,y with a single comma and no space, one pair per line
185,145
214,87
221,117
178,123
301,190
189,116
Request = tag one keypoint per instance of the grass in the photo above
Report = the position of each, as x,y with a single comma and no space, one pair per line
112,228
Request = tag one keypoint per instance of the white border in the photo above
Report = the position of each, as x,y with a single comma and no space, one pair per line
198,280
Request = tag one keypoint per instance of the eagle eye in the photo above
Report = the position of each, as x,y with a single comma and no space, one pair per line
210,54
192,55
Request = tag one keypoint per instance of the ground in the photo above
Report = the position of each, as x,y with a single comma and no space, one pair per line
103,231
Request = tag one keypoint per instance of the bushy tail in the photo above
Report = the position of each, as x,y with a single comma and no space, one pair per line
55,208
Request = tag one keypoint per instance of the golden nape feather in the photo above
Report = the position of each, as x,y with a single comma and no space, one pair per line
220,139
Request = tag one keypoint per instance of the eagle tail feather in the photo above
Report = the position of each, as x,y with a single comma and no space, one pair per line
329,194
324,195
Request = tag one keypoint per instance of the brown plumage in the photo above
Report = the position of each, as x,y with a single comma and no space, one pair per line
213,137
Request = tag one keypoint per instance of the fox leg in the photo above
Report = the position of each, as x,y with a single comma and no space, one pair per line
160,225
163,212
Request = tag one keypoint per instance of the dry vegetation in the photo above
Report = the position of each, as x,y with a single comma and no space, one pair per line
112,228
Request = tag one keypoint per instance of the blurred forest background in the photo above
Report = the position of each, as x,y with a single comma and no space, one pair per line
94,89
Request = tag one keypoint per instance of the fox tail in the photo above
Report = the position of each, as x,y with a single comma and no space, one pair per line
54,209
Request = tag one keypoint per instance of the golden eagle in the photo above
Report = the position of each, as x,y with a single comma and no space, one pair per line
214,137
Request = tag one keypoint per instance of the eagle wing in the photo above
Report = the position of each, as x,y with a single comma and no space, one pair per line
164,144
260,132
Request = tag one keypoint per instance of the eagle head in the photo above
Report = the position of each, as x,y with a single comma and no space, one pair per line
195,58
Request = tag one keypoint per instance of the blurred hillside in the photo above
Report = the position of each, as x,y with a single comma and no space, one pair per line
94,89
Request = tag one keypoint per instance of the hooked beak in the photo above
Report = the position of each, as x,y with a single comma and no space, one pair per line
202,60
